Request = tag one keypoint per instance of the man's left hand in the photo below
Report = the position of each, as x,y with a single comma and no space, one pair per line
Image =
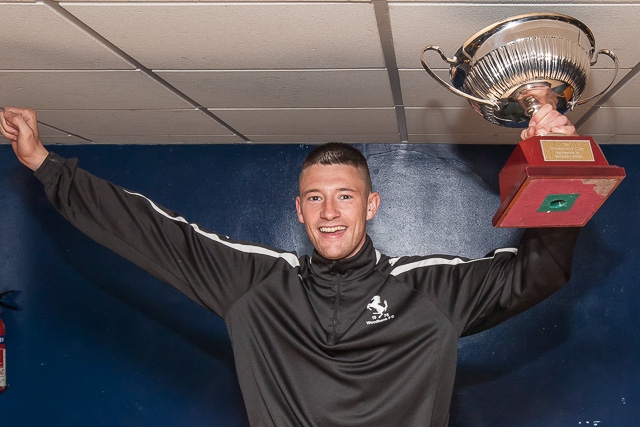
548,120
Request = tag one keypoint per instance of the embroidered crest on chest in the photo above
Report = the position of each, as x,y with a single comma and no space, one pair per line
379,310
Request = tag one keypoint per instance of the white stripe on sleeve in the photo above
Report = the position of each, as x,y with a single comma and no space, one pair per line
252,249
440,261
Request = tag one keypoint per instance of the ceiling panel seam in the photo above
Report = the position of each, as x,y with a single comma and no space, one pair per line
381,8
65,132
65,14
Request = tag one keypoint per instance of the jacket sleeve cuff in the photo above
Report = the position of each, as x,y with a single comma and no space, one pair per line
49,170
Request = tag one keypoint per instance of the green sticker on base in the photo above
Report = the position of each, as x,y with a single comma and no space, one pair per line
558,202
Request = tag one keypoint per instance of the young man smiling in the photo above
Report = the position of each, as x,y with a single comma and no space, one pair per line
336,202
346,337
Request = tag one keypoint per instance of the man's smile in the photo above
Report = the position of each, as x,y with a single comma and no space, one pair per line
333,229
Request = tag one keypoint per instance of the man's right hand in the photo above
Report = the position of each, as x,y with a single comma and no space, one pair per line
20,126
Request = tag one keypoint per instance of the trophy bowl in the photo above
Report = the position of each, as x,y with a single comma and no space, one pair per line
507,71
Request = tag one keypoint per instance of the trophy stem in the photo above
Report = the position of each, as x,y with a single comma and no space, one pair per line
531,105
534,95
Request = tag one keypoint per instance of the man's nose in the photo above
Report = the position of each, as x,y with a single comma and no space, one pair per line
330,210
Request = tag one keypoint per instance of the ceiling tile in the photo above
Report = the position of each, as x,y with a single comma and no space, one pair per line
35,37
239,36
627,95
616,120
453,139
458,2
284,88
320,139
460,121
419,89
165,139
625,139
414,27
598,81
93,90
132,122
311,121
449,121
210,1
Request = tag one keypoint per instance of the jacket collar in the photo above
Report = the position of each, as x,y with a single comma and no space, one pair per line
350,268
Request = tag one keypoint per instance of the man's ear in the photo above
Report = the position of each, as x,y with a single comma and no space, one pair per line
299,210
373,203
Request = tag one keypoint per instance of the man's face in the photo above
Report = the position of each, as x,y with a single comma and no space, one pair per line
334,206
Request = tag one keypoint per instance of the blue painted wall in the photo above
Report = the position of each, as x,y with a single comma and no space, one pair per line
101,343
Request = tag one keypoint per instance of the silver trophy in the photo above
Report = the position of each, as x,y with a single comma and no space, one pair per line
507,72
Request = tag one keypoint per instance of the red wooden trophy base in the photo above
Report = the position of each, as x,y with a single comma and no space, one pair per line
554,181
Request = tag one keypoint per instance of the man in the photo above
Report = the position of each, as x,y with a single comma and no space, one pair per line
345,337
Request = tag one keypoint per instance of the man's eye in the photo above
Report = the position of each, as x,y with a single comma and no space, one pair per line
314,198
346,197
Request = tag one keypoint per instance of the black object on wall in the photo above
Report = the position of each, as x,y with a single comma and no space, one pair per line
100,342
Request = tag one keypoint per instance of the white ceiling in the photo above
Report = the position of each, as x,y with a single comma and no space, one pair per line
149,72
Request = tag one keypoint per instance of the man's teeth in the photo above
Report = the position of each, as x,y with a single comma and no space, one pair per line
332,229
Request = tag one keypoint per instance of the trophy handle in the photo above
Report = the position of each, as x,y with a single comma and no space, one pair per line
614,58
445,84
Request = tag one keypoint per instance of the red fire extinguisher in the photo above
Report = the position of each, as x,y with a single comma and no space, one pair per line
3,348
3,359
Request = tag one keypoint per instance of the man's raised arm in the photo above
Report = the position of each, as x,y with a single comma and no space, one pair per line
20,126
208,267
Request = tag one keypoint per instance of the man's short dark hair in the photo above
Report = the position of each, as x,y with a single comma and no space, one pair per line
339,153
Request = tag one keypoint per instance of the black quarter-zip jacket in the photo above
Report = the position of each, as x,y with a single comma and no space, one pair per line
366,341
